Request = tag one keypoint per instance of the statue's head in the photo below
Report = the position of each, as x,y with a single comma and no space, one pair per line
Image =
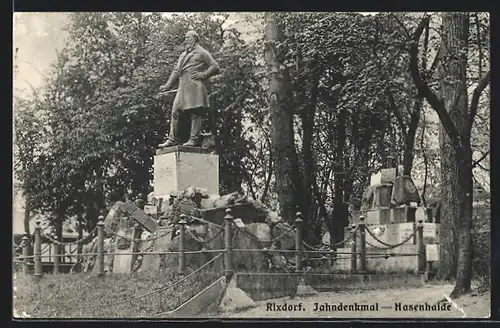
192,38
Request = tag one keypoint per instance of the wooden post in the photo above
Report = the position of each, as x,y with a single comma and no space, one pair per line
228,239
26,254
38,250
298,242
354,257
421,247
57,259
100,247
362,244
182,244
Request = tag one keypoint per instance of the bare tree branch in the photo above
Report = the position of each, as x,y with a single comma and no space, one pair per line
396,112
475,163
485,80
436,103
483,168
269,177
400,23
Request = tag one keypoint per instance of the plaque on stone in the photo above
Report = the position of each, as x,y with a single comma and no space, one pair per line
388,175
405,230
431,233
392,234
432,252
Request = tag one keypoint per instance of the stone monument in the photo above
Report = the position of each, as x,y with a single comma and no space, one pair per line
391,210
178,166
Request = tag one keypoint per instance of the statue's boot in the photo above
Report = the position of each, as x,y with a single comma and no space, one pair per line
168,143
194,139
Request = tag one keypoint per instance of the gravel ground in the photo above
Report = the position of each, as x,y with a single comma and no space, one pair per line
470,306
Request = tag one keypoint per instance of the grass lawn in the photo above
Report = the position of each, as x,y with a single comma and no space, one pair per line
112,296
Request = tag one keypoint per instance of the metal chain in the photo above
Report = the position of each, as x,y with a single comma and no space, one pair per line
152,237
311,247
203,221
252,236
282,235
17,247
221,230
196,238
390,246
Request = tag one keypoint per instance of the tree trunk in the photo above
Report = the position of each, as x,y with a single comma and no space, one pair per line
27,214
449,210
340,217
457,121
452,74
464,262
307,118
282,134
409,150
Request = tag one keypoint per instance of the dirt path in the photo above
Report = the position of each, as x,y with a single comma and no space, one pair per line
472,306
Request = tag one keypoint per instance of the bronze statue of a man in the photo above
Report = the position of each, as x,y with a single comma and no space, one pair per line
194,67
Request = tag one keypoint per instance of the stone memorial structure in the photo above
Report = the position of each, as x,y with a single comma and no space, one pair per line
391,212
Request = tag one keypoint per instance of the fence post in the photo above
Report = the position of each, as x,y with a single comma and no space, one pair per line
362,244
421,247
354,257
298,242
135,241
57,259
182,244
26,254
100,246
38,250
228,239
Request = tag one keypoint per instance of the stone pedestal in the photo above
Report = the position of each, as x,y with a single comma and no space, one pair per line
179,167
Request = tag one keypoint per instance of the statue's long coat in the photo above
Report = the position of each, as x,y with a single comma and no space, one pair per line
192,93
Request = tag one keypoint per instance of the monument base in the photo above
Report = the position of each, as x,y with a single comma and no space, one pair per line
179,167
